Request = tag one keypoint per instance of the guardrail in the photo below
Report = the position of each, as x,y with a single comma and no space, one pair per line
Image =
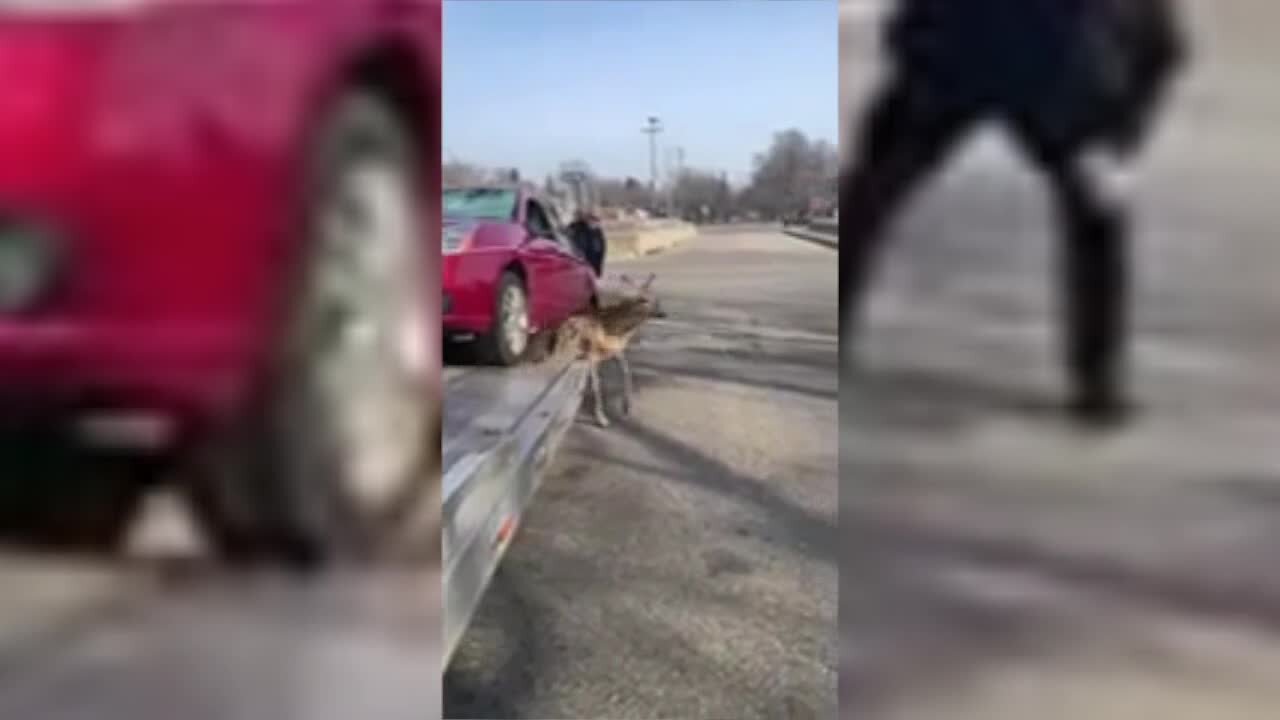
829,226
493,465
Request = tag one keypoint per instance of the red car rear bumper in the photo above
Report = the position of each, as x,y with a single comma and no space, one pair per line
66,372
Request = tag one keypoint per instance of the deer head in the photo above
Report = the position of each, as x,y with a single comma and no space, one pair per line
644,287
644,295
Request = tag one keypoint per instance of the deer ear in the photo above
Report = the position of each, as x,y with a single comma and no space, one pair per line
648,281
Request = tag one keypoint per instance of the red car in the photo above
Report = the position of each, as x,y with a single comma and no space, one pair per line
217,249
510,271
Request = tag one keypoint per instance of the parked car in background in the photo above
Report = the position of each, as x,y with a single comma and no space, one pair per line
510,271
217,260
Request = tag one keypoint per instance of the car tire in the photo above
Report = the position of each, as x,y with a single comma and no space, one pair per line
508,340
298,478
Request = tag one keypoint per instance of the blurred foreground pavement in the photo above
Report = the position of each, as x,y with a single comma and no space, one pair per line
999,564
173,637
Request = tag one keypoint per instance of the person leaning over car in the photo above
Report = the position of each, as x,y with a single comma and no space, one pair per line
588,236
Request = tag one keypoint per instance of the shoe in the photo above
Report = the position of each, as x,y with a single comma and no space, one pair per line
1102,410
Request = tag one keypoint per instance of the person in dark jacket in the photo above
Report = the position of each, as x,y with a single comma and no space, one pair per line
1076,82
587,234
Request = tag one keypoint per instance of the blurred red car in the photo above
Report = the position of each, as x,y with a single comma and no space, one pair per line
510,270
217,226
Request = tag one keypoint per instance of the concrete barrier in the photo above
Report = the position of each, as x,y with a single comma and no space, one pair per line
820,231
826,226
630,239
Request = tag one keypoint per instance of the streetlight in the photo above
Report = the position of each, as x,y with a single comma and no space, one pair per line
652,128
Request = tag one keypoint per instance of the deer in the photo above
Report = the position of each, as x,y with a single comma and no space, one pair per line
602,333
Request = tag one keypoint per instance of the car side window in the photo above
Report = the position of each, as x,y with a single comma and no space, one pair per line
537,221
563,237
553,218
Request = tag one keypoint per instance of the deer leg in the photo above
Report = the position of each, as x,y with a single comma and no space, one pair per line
626,383
594,377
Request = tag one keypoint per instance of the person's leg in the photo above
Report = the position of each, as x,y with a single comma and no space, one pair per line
602,247
906,133
1094,220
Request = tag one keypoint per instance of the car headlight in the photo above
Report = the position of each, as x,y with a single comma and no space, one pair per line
27,266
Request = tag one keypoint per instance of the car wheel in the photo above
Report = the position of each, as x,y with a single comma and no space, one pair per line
331,460
507,342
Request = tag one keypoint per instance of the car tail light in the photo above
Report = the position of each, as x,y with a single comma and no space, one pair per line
28,264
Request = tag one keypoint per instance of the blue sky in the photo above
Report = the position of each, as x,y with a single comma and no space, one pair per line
531,83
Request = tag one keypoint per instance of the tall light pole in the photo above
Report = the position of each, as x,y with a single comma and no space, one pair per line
652,128
674,167
676,179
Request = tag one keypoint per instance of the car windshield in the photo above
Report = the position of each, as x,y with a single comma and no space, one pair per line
480,203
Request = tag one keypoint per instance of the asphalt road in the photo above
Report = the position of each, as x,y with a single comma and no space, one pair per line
999,564
682,563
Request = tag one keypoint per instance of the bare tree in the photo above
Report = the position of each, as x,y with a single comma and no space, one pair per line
702,196
580,182
506,175
612,192
628,193
458,174
793,174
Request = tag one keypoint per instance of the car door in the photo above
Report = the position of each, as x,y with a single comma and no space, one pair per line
546,265
579,279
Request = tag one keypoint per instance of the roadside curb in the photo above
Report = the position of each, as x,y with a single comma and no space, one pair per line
826,241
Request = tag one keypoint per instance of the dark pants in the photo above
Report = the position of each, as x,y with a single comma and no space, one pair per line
590,242
907,136
598,247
